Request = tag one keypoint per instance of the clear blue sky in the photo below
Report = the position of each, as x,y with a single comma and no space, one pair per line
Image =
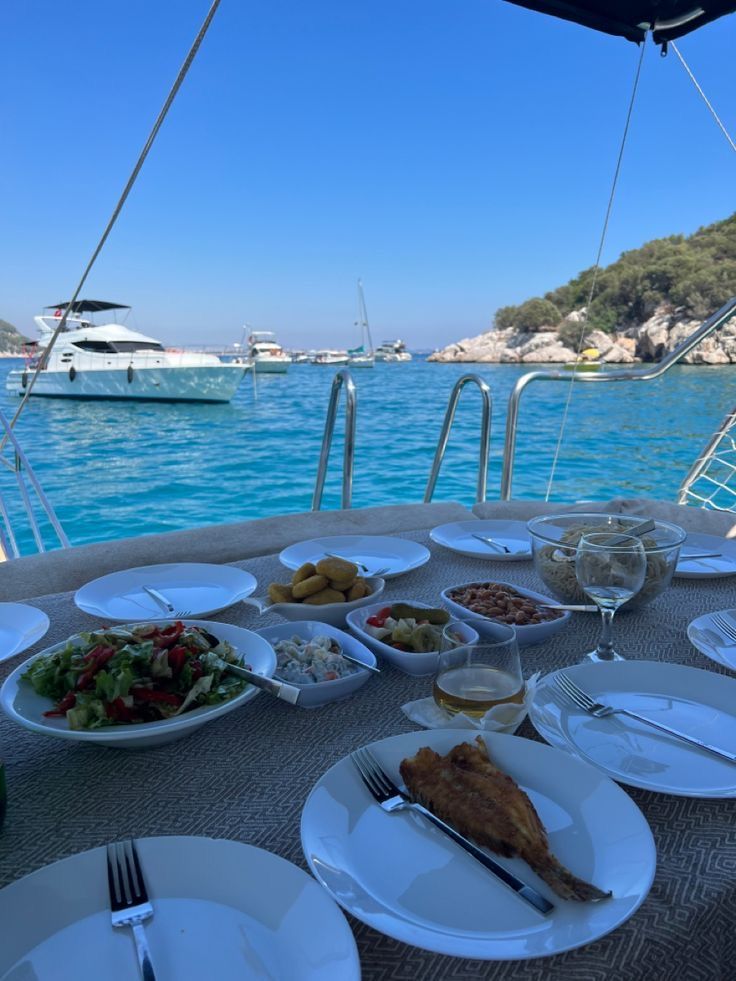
457,156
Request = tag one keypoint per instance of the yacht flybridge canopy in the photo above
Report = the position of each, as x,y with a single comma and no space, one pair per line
667,19
88,306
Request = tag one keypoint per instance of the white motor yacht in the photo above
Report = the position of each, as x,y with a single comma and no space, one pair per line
111,361
392,351
266,353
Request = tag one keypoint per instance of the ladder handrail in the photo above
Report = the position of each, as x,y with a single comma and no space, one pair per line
341,378
709,326
702,462
485,437
21,464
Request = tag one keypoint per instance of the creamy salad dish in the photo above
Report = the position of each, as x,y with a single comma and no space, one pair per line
308,662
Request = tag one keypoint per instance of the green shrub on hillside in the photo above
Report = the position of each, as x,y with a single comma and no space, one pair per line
530,316
695,274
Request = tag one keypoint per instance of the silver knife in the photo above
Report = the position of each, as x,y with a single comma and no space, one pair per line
636,532
160,599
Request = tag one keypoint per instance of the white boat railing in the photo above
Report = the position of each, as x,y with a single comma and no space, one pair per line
711,481
648,373
22,470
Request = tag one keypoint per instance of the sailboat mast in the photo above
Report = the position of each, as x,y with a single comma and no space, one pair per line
363,317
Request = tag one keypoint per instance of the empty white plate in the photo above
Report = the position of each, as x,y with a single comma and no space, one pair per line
20,627
195,589
511,535
404,877
700,703
394,555
696,544
222,909
710,640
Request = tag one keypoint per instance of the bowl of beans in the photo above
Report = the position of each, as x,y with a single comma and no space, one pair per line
523,609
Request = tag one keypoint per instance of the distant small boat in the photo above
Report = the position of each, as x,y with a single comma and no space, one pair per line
266,354
392,351
362,357
587,360
330,358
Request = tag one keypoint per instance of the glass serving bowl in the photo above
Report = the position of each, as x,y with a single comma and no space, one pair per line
554,540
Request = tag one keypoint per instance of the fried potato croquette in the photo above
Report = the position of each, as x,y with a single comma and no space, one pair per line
325,596
305,571
337,569
358,590
279,593
308,586
343,585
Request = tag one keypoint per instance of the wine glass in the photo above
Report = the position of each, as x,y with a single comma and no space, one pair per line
473,675
610,568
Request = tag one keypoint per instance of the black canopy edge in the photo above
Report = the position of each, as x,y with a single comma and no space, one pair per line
88,306
631,19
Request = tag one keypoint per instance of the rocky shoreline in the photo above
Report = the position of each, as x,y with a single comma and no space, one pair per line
645,343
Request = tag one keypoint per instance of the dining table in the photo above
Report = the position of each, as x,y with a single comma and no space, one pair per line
246,776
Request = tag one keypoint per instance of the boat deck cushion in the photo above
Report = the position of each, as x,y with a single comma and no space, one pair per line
70,568
690,518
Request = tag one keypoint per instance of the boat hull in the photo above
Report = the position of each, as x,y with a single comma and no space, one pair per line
271,367
208,383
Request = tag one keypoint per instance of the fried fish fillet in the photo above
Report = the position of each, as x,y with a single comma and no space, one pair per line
484,804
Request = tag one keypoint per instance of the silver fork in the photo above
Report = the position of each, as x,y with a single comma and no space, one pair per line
584,701
361,565
391,799
490,542
129,903
726,626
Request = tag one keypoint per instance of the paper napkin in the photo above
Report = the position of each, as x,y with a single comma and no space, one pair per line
501,718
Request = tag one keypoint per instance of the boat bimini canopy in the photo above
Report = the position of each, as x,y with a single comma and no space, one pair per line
88,306
632,19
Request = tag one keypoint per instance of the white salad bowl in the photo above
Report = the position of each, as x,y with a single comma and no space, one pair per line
333,613
23,705
313,696
532,633
410,662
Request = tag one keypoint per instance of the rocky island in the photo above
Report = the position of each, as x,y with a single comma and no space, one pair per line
645,304
11,340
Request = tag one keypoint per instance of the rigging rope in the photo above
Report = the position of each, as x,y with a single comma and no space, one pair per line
694,80
118,208
596,269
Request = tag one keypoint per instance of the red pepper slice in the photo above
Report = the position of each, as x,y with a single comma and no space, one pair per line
177,658
68,701
118,711
375,621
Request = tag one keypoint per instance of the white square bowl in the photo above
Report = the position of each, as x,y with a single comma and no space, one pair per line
417,665
313,696
533,633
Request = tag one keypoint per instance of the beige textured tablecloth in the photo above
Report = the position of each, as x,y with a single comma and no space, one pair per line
247,775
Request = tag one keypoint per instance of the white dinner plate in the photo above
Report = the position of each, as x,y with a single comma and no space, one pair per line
395,555
722,565
197,588
20,627
458,536
23,705
222,909
404,877
701,703
710,639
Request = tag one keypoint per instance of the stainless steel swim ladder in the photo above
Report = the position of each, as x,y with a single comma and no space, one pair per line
348,459
709,326
485,437
19,465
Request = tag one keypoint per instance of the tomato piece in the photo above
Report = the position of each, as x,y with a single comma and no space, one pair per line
177,658
68,701
400,647
149,695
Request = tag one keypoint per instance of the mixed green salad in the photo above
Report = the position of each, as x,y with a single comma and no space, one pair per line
125,675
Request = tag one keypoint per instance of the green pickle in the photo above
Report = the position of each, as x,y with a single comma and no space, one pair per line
404,611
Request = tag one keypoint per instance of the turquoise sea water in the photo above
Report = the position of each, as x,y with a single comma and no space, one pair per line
117,469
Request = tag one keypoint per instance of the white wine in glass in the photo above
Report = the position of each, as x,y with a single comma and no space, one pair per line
474,676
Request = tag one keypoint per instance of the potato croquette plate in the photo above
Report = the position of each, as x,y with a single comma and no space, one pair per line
332,613
375,555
